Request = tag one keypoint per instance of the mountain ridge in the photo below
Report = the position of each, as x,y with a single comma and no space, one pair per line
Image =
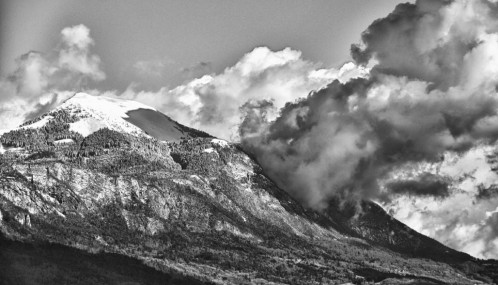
194,205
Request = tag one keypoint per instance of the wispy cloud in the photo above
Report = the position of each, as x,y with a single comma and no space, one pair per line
154,68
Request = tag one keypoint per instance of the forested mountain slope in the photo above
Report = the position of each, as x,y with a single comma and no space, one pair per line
78,180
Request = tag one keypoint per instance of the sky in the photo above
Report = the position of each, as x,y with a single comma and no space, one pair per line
358,99
177,37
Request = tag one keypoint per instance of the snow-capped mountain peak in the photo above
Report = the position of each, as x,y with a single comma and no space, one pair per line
88,113
95,112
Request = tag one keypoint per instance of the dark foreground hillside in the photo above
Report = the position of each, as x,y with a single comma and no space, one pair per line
42,263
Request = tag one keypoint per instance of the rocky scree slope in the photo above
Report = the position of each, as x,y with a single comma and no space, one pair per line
95,187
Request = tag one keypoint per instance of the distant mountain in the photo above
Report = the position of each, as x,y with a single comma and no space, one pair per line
108,191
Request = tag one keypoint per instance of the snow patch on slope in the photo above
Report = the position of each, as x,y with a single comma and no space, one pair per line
209,150
86,126
63,141
222,143
39,124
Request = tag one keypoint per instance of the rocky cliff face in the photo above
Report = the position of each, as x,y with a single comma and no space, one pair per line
191,209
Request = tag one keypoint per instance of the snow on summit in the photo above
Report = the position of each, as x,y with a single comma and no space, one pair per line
96,112
102,104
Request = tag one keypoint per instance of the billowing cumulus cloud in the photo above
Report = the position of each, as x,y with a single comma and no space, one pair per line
460,219
432,89
212,102
441,42
75,55
457,221
42,80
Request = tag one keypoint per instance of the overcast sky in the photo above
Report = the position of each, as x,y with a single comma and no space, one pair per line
186,38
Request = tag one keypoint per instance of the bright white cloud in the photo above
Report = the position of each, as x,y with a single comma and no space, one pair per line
75,56
463,220
77,36
211,103
41,81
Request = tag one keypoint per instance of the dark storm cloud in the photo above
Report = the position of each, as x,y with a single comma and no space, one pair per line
425,185
485,193
404,46
431,89
254,113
